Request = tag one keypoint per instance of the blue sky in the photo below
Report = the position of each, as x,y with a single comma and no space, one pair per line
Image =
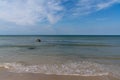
58,17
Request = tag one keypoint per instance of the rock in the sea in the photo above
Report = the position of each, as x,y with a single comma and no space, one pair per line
38,40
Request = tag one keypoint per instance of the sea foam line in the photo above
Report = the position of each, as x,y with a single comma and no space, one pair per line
83,68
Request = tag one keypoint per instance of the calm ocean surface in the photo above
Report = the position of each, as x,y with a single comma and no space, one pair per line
61,55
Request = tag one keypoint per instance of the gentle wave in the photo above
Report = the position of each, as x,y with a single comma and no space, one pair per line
56,44
49,43
79,69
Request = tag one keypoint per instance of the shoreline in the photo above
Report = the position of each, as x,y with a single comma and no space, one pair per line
36,76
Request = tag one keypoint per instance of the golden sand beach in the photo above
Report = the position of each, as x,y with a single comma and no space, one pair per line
29,76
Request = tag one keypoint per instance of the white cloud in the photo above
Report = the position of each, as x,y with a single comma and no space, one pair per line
88,6
28,12
105,5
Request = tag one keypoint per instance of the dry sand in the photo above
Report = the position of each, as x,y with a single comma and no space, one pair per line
29,76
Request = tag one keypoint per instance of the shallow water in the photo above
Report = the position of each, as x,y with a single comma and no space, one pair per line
61,55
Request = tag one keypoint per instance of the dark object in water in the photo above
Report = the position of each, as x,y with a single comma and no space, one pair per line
38,40
31,48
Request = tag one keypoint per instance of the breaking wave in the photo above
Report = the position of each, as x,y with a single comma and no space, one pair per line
83,68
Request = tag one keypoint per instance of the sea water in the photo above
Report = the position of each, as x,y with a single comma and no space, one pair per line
61,55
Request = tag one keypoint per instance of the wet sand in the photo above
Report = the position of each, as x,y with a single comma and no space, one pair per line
29,76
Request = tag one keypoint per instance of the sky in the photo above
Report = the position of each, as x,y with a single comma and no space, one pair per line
59,17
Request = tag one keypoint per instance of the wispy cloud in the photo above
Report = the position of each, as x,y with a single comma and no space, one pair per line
106,4
88,6
29,12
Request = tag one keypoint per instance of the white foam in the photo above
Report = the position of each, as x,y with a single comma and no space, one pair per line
74,68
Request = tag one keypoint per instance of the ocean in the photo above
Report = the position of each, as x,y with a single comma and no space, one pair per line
74,55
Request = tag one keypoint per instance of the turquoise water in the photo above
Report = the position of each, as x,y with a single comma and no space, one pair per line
66,55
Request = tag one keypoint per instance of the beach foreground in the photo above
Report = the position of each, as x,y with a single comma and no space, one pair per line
30,76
